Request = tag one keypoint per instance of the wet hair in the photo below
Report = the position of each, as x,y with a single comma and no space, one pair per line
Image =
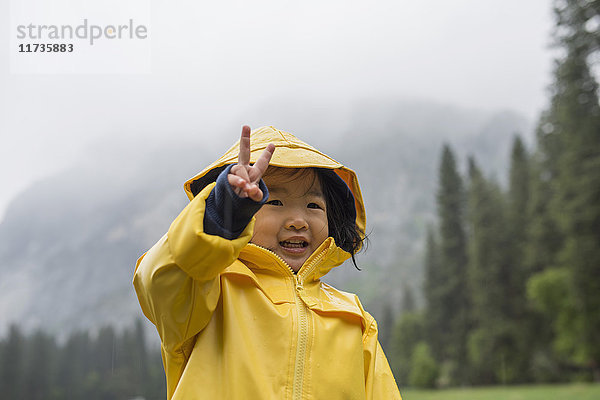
341,211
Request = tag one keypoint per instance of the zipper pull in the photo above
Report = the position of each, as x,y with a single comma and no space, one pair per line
299,286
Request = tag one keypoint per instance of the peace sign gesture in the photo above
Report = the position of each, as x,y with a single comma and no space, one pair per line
244,177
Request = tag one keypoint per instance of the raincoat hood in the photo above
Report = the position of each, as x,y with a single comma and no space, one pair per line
290,152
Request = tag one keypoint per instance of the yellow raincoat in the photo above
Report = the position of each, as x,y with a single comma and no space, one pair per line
236,323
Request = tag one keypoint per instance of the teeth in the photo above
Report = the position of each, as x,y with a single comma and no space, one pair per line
293,243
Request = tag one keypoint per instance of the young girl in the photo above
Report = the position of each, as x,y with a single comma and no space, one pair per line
234,287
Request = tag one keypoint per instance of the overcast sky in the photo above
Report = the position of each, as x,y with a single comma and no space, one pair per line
210,62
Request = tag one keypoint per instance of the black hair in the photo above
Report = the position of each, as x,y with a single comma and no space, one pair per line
341,210
341,213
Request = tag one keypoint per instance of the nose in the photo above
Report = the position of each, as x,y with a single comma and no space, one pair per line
296,221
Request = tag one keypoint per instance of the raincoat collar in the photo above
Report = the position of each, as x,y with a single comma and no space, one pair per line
327,256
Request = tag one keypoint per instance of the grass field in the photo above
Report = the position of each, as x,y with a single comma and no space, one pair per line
532,392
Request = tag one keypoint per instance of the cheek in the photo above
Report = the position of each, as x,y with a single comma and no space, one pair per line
259,217
322,227
258,228
265,224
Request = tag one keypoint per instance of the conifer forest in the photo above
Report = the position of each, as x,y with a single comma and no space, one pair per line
512,275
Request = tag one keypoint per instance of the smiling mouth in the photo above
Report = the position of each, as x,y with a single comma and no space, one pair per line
293,244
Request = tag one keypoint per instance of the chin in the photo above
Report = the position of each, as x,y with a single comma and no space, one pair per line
296,266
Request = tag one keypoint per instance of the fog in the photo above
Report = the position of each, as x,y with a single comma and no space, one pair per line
218,65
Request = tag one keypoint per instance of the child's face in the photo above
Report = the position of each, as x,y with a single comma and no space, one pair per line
293,222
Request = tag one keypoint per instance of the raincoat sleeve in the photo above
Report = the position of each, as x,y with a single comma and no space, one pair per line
379,380
177,282
227,214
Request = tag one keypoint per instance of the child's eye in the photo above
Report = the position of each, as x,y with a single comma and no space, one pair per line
274,203
314,205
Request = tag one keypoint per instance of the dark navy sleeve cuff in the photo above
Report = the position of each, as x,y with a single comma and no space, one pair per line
227,214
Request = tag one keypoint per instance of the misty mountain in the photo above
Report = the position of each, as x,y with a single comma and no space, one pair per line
68,243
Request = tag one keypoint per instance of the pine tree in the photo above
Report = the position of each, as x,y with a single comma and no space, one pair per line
74,364
571,141
518,225
452,296
11,362
101,381
518,201
493,342
40,366
544,238
140,365
432,289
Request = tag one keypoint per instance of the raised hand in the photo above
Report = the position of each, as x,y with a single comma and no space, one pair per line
244,177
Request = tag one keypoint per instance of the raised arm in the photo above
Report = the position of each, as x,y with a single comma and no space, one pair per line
177,279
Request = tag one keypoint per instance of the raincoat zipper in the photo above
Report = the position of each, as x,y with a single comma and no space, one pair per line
301,343
302,328
302,340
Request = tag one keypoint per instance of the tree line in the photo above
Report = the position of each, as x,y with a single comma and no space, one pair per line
108,365
512,275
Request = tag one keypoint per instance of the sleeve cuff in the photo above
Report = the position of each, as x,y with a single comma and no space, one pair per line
226,213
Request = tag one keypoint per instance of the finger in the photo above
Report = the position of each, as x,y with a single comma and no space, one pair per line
244,189
240,171
244,156
255,193
236,182
261,165
238,177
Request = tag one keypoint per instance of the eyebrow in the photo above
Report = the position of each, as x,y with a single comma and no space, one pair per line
316,193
